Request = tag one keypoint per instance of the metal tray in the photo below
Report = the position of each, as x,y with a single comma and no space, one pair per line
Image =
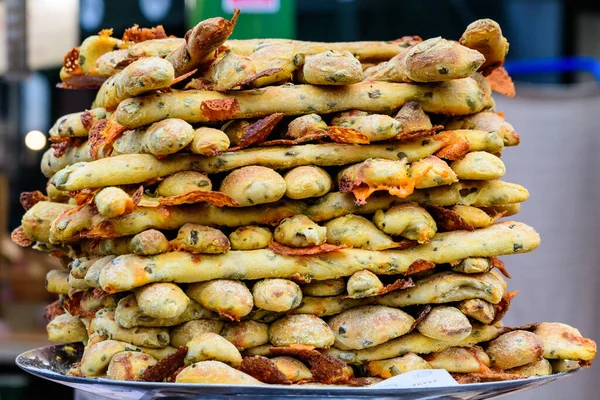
53,361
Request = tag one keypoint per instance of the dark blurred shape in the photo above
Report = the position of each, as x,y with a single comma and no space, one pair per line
122,14
16,39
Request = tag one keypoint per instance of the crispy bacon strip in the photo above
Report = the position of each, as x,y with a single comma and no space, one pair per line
501,308
60,147
220,109
455,146
173,376
279,248
53,310
166,367
292,142
264,370
72,304
75,82
258,131
448,219
99,292
266,72
199,84
19,237
497,216
124,63
104,230
137,196
406,244
103,134
501,82
30,199
340,134
183,77
419,266
215,198
422,314
87,119
71,62
83,196
299,279
499,265
488,376
324,367
397,285
412,135
136,34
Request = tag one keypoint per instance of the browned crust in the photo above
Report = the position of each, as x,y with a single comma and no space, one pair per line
501,308
258,131
501,82
264,370
30,199
215,198
281,249
448,219
136,34
53,310
19,237
166,367
220,109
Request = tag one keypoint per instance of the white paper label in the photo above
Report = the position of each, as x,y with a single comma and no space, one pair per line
427,378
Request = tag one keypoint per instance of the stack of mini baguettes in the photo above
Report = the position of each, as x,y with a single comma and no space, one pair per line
275,211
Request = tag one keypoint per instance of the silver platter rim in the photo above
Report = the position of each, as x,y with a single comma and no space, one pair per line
44,362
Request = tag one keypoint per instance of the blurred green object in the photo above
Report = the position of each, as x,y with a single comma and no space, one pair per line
259,18
13,387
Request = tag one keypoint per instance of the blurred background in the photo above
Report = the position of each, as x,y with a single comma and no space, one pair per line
554,48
